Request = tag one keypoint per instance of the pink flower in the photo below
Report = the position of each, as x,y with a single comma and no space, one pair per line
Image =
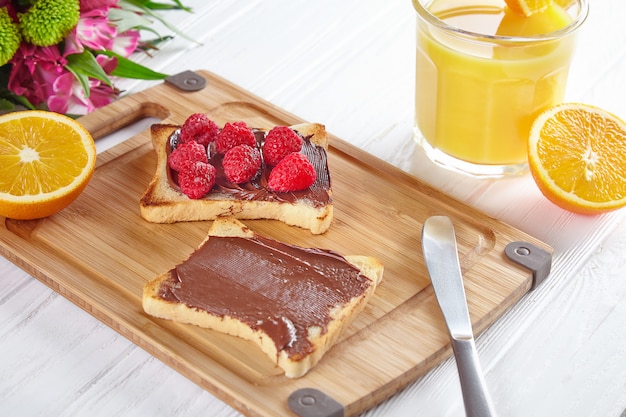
39,74
34,70
93,31
60,93
86,5
96,32
99,96
42,75
108,64
126,43
67,94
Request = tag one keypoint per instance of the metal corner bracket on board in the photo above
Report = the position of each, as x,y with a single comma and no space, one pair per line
526,254
311,402
187,81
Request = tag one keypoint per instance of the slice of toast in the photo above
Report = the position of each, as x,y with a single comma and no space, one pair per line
292,302
312,209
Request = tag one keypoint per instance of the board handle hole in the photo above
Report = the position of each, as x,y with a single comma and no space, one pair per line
124,133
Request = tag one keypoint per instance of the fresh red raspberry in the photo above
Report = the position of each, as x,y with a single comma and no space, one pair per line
294,173
233,134
241,163
196,179
187,152
280,142
198,127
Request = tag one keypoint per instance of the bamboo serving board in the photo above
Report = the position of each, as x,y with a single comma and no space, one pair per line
99,252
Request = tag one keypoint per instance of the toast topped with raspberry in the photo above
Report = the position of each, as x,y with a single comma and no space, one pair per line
292,302
204,172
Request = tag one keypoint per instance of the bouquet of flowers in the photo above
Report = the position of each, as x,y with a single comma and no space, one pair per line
61,55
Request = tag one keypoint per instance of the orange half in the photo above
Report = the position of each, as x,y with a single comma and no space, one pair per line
46,160
577,157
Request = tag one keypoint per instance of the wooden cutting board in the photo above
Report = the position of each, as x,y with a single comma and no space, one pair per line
99,252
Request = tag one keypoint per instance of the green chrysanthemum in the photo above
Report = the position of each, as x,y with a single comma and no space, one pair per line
9,37
48,22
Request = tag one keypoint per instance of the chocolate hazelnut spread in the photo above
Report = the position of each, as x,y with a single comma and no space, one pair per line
280,289
317,194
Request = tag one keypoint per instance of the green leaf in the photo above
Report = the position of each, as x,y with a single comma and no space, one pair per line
82,79
129,69
162,6
6,105
9,100
84,65
149,29
127,19
141,7
151,44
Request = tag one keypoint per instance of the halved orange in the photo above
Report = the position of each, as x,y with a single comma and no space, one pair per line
46,160
577,157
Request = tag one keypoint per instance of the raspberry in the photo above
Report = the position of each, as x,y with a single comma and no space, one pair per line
198,127
279,142
233,134
294,173
196,179
187,152
241,163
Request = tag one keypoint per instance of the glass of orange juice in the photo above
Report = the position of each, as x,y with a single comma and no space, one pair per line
483,73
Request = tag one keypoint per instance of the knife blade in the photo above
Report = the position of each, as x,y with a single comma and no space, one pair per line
440,252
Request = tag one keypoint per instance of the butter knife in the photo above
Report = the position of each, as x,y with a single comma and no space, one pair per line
442,261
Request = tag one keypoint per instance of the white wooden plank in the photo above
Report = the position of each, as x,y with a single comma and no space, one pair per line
559,352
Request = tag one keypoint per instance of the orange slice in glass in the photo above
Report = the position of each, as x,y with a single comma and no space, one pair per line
528,7
564,3
46,160
577,157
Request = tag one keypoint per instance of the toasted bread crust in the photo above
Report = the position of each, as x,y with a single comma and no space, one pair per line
294,367
161,203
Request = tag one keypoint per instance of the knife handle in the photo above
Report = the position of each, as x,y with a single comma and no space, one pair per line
475,395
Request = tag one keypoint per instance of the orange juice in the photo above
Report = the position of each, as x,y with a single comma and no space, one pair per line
483,74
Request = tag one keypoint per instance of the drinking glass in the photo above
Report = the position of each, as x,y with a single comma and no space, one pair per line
483,74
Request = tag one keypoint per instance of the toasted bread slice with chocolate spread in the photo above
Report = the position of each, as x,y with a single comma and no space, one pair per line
292,302
312,209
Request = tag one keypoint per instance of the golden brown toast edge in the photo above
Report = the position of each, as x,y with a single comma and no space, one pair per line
161,203
155,306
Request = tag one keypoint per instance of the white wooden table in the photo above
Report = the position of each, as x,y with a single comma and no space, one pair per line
561,351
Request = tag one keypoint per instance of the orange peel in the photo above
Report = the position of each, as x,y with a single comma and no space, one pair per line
46,161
